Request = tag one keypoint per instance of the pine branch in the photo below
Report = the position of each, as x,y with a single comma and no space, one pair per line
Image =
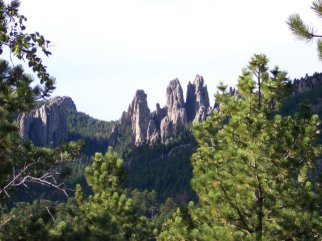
239,213
300,29
317,7
5,222
52,217
23,178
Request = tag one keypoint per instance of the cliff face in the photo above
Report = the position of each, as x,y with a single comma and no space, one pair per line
165,124
197,103
176,116
46,125
140,117
175,104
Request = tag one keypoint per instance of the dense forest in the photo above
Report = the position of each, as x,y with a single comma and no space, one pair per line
250,171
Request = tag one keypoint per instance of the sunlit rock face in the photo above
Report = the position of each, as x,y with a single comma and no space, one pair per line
165,124
46,125
175,104
176,116
140,117
197,101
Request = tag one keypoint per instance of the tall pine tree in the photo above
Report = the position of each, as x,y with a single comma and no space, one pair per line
21,162
108,213
251,171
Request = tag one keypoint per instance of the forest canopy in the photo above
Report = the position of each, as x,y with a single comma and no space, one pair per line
251,171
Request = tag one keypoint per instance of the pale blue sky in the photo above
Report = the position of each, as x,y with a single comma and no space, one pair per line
104,50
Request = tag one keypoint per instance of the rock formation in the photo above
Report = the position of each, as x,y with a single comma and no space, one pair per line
158,115
153,134
175,104
164,124
197,101
173,123
140,117
46,125
166,130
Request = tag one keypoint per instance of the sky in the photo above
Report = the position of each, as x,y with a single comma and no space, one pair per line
104,50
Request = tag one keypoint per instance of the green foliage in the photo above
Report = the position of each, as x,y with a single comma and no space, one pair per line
251,170
41,220
303,31
21,162
163,168
146,202
81,124
147,205
15,95
108,213
95,133
311,95
24,45
178,226
124,143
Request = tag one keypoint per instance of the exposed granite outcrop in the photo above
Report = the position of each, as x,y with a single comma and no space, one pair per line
140,117
173,123
197,101
164,124
46,125
153,134
175,104
158,115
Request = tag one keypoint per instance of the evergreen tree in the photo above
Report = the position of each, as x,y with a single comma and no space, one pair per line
108,213
22,162
305,32
251,171
179,227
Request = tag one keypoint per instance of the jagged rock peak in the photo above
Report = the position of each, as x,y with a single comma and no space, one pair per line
176,116
175,98
140,116
166,123
175,104
140,94
198,82
197,100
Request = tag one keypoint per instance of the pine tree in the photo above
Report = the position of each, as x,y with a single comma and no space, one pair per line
251,170
180,226
22,162
108,213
